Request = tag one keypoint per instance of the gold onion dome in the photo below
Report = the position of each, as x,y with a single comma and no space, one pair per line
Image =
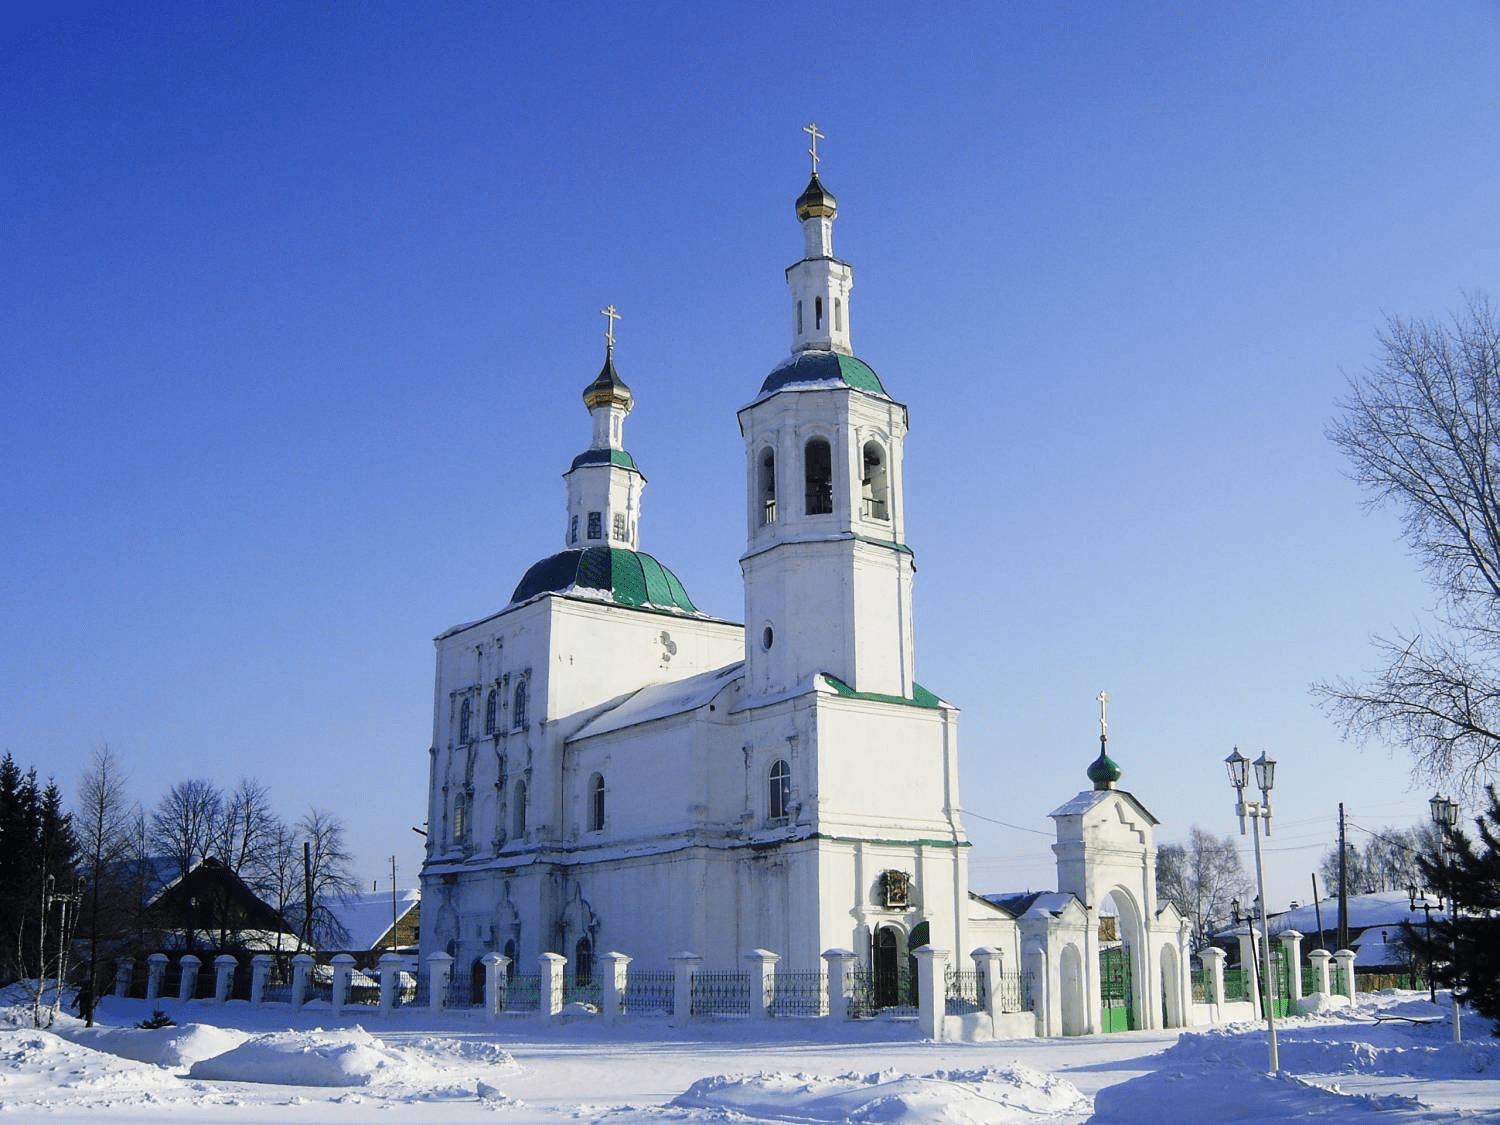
608,388
816,201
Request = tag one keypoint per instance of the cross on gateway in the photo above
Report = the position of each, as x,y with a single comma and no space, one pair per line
1103,698
811,129
614,315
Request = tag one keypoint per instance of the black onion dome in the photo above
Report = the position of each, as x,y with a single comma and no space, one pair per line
608,387
816,201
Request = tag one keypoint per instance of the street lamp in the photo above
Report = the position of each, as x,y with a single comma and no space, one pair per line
1426,908
1445,817
1265,778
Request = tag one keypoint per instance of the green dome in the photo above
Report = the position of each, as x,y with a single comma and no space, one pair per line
813,368
1104,772
607,574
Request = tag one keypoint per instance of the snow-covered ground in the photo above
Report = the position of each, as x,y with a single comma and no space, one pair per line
235,1064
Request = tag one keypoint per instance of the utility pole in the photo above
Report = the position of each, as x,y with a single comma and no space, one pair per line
393,901
307,894
1343,935
1318,910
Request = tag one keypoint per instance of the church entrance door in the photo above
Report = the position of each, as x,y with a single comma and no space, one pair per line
892,979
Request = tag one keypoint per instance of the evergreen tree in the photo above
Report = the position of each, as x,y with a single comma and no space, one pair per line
1464,949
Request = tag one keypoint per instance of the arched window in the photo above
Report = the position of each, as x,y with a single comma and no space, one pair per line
510,953
780,795
460,817
817,467
818,313
799,318
596,803
767,487
518,707
838,315
477,980
573,530
465,720
491,707
583,961
518,810
873,483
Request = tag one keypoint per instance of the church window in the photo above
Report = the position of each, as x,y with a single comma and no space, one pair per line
767,637
491,705
510,956
620,532
818,313
767,487
583,961
518,707
518,811
573,530
460,818
465,720
874,484
817,466
799,318
838,315
780,794
596,525
596,803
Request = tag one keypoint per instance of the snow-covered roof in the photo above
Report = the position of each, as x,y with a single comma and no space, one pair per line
367,916
1383,908
658,701
1091,797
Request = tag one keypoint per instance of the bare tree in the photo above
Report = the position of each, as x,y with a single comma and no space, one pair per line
1387,862
244,828
1421,430
103,821
184,824
328,876
1200,878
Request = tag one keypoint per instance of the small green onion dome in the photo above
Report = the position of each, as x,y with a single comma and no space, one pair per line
1104,772
816,201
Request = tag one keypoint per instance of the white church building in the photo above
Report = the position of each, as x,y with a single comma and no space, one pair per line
613,769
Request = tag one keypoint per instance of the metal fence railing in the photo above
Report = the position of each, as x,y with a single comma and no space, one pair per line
721,994
649,993
799,994
965,992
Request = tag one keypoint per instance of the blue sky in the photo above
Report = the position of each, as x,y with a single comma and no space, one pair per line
299,300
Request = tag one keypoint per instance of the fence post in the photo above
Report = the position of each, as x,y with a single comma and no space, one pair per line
343,972
550,1000
390,979
932,989
616,980
494,983
684,966
1291,949
1213,961
302,966
260,969
1249,939
840,964
224,967
156,968
439,968
762,963
1345,959
187,983
124,973
1320,959
987,964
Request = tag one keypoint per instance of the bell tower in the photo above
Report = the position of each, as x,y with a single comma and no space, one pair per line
828,575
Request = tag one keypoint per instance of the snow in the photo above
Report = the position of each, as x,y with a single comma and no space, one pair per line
235,1063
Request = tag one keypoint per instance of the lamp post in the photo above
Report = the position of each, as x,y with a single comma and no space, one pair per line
1426,908
1265,780
1445,817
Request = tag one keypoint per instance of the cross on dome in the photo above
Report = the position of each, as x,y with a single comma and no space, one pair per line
1103,698
811,129
609,333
